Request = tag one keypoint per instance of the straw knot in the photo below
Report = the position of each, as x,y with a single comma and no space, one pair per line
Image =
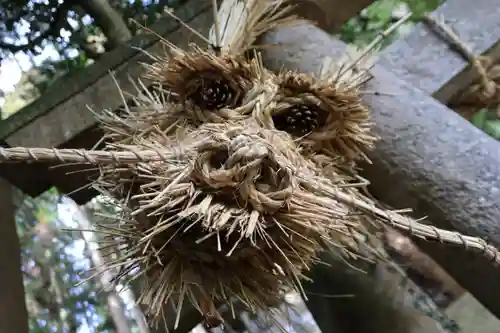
245,165
244,149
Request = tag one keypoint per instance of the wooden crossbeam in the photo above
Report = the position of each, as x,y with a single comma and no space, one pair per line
428,62
62,118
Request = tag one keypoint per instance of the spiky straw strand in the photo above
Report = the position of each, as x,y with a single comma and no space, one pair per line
240,22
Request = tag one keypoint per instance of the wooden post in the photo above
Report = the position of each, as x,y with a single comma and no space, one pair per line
342,299
13,313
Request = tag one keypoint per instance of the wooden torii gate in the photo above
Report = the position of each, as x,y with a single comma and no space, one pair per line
424,144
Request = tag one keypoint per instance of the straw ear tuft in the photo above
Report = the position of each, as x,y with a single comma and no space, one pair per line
203,80
326,118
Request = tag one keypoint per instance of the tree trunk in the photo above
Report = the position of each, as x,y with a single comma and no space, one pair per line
117,311
109,20
114,301
127,293
13,313
422,269
136,312
342,300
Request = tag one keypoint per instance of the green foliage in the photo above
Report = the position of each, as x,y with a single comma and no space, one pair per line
492,128
362,28
69,27
51,70
377,17
420,7
479,118
483,120
52,271
49,19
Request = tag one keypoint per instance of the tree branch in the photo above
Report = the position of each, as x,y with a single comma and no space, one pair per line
109,20
58,22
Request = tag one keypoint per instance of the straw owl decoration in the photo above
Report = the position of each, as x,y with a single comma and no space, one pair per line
230,217
231,179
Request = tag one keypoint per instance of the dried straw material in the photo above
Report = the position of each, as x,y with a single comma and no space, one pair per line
326,115
210,87
21,154
231,179
228,221
241,22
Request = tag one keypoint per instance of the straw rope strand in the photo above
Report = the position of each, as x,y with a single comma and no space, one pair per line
46,155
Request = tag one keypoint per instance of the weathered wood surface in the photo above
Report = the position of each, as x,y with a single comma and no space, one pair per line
76,83
43,123
69,143
426,61
298,55
330,14
436,162
342,299
13,313
450,171
472,316
71,116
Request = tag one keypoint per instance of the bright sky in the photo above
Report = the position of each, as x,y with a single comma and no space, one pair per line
70,214
12,68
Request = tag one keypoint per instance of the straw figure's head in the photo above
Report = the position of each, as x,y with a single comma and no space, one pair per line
247,196
242,207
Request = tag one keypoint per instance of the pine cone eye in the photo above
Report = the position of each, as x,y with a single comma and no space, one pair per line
211,92
300,119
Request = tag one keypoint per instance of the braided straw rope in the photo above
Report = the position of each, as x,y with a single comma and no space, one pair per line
485,92
30,155
416,228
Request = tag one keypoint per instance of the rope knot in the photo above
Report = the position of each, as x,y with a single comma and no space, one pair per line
247,165
244,149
